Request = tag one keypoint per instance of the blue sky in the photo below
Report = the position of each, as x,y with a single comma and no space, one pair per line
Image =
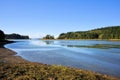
37,18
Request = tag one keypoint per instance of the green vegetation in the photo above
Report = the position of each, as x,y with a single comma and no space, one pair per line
16,36
12,36
48,37
2,35
2,39
101,33
35,71
102,46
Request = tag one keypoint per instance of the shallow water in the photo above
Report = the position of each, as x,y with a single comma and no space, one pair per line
95,55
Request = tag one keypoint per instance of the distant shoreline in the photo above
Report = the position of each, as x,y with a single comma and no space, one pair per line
84,39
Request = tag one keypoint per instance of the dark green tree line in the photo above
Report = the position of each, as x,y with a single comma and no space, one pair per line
112,32
2,35
48,37
16,36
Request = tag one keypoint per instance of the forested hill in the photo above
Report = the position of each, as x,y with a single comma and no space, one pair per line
112,32
16,36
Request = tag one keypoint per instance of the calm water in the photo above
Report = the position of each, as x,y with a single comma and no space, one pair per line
98,56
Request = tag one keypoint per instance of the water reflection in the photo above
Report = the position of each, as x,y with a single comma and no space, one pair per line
49,42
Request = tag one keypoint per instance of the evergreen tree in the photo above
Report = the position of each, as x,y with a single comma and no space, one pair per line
48,37
2,35
112,32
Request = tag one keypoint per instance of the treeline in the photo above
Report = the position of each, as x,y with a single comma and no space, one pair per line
3,41
112,32
48,37
2,35
16,36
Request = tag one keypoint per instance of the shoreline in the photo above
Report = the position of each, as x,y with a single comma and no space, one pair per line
3,42
7,57
86,39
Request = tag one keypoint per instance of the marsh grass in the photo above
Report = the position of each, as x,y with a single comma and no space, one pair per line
35,71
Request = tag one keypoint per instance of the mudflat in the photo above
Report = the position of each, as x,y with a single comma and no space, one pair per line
8,56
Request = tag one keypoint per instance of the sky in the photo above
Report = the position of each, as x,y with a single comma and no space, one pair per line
37,18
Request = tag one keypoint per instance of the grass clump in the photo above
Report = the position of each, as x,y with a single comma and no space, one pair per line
35,71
